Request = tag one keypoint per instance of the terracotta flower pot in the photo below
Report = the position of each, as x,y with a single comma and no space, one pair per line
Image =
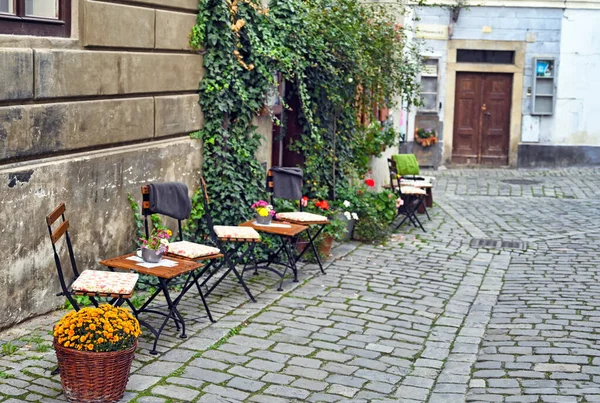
324,246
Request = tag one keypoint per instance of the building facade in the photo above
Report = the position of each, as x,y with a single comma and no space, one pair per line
509,83
97,98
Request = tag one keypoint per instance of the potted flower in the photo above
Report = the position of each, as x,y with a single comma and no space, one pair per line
425,137
264,212
94,348
334,230
155,245
350,217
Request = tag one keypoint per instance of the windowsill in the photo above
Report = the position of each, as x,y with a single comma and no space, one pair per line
31,41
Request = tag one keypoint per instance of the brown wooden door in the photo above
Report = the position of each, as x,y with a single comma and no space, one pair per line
482,119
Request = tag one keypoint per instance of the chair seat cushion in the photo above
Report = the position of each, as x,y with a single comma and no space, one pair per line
413,191
97,281
192,250
302,217
416,183
236,232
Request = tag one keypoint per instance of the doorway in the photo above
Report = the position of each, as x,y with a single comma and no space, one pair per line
482,118
284,136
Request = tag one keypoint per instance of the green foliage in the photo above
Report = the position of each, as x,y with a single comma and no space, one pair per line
376,211
8,348
43,348
369,229
231,93
369,143
82,300
341,58
425,133
138,300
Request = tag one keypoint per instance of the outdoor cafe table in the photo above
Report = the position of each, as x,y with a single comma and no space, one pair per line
165,271
287,233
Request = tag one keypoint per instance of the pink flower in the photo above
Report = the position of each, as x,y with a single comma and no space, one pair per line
399,202
260,203
304,201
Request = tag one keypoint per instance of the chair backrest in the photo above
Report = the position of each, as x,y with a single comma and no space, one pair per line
394,180
207,215
271,188
146,212
55,236
406,164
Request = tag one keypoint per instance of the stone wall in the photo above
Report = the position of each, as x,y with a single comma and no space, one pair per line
87,120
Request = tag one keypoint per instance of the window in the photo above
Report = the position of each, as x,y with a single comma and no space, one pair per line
35,17
485,56
429,85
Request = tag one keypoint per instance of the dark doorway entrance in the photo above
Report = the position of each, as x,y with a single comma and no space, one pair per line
284,136
482,118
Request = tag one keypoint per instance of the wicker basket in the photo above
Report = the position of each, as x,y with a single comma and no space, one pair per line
93,377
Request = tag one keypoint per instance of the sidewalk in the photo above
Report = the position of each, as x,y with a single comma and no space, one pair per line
427,317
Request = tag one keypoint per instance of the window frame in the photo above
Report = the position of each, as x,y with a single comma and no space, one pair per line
20,24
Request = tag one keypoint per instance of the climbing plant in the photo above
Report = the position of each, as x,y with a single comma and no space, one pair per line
343,60
231,93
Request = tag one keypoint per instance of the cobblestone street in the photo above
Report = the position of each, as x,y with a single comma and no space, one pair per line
427,317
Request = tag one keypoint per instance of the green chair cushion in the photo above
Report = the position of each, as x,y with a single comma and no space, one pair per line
406,164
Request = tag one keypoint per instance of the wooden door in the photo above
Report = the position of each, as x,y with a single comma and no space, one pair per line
482,118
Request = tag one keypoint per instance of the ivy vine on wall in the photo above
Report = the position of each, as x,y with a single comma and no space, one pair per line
343,60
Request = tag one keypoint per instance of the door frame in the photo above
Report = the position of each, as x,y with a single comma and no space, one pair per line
517,70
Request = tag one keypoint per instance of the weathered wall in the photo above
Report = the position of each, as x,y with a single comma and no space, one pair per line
538,28
577,119
87,120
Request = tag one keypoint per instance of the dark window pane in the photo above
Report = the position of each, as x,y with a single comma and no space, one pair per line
485,56
7,6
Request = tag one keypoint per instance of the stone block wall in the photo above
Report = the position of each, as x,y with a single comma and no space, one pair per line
87,120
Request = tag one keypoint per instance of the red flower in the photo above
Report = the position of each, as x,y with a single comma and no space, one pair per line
304,201
370,182
323,204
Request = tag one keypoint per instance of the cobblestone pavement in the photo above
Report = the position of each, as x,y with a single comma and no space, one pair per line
427,317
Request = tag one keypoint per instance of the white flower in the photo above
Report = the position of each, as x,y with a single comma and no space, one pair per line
347,214
346,203
355,216
350,79
164,241
269,207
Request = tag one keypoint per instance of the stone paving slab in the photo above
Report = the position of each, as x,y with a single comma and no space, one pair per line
424,317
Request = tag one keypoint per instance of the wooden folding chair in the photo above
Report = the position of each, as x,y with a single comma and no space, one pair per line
196,252
92,283
301,218
411,196
229,239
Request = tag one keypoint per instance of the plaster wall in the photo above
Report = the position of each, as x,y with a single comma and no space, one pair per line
86,120
577,119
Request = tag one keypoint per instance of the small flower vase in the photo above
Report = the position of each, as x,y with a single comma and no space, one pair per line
151,255
263,220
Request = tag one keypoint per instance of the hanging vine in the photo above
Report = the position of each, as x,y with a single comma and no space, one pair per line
231,93
342,58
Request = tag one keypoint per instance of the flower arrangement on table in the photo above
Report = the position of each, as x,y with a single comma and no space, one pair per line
264,212
102,329
156,244
425,137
